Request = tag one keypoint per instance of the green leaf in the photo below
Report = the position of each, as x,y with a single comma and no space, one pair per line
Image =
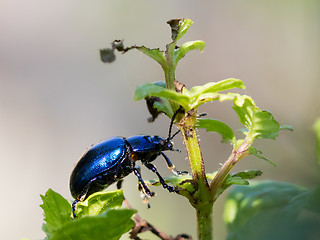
164,106
157,105
268,210
209,92
209,97
147,89
99,202
247,174
260,124
214,87
239,178
185,48
286,127
155,54
210,176
212,125
258,154
313,201
107,55
57,212
316,129
193,98
245,108
182,182
179,27
110,225
231,180
184,25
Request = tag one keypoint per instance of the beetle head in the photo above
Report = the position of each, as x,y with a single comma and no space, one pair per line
162,144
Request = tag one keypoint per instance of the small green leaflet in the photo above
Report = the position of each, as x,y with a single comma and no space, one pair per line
197,95
213,125
260,124
110,225
99,202
272,210
97,218
57,212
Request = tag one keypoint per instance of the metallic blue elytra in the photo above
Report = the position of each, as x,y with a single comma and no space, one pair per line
98,161
113,159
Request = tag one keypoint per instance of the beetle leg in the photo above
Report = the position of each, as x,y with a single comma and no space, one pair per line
74,206
119,184
145,197
136,171
171,166
161,180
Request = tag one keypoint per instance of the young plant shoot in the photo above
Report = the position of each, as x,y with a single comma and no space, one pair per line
97,215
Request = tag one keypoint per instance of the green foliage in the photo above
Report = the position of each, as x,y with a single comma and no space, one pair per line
255,209
185,186
99,202
260,124
173,54
57,212
316,129
109,225
213,125
192,99
257,123
185,48
258,154
200,188
155,54
99,217
179,27
239,178
272,210
147,90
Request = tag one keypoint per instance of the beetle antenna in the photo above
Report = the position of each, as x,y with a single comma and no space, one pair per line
170,128
174,134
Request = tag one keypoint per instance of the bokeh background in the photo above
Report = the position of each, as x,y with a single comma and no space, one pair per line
57,98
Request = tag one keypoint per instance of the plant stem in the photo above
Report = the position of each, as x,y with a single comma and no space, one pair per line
202,199
204,221
170,78
234,157
190,139
169,72
221,175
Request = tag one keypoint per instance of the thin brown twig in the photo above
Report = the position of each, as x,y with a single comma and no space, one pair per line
142,225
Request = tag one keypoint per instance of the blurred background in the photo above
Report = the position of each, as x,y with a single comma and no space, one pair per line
57,98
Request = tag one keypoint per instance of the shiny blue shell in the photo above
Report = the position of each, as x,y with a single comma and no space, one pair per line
112,160
97,160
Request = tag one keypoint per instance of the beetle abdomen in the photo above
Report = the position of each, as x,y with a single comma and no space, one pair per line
96,161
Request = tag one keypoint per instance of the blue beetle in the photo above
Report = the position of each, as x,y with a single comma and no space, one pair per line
113,159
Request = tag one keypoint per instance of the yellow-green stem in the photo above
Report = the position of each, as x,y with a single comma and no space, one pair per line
170,78
169,73
202,199
190,139
234,157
